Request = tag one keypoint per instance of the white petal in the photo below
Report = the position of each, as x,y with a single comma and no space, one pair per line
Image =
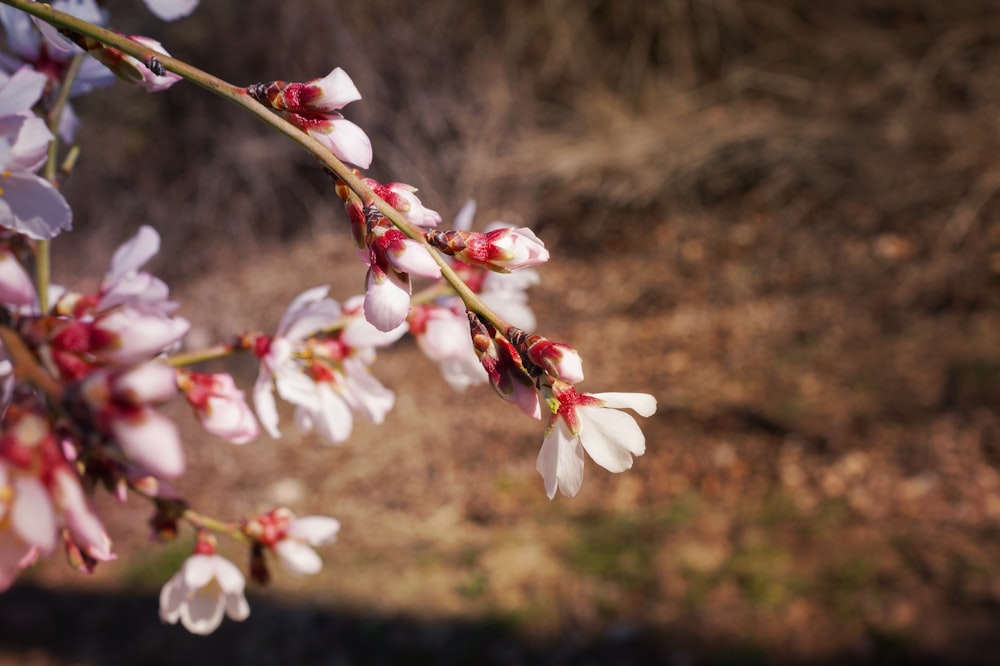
202,614
642,404
151,440
387,299
132,254
365,393
172,596
21,91
264,404
237,607
295,387
198,571
170,10
230,577
300,306
333,419
297,557
315,530
338,90
610,437
348,142
560,462
415,258
463,221
32,206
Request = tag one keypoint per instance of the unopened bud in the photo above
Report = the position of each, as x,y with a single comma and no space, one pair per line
556,359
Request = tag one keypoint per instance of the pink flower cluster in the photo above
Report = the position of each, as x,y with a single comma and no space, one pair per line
84,375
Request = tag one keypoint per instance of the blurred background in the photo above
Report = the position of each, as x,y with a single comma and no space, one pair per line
779,217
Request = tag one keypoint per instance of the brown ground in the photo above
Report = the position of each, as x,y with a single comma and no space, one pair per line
778,218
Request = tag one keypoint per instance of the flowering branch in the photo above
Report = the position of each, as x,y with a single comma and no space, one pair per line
82,378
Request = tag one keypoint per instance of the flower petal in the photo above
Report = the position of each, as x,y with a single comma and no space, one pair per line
315,530
264,404
642,404
560,461
171,10
610,437
31,206
32,516
297,557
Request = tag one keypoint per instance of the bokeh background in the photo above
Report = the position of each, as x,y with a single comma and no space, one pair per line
779,217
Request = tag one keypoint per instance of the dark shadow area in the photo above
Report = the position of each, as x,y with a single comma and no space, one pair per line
45,626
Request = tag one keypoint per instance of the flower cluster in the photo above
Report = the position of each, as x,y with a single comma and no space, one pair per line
84,374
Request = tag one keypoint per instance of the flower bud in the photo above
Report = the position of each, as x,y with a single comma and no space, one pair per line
501,250
556,359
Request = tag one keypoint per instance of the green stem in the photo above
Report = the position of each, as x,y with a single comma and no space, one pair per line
241,98
208,354
216,525
43,252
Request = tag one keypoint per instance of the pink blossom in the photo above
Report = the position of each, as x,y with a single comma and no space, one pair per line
207,587
583,422
220,406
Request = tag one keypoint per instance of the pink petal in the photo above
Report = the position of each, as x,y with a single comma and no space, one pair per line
32,516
